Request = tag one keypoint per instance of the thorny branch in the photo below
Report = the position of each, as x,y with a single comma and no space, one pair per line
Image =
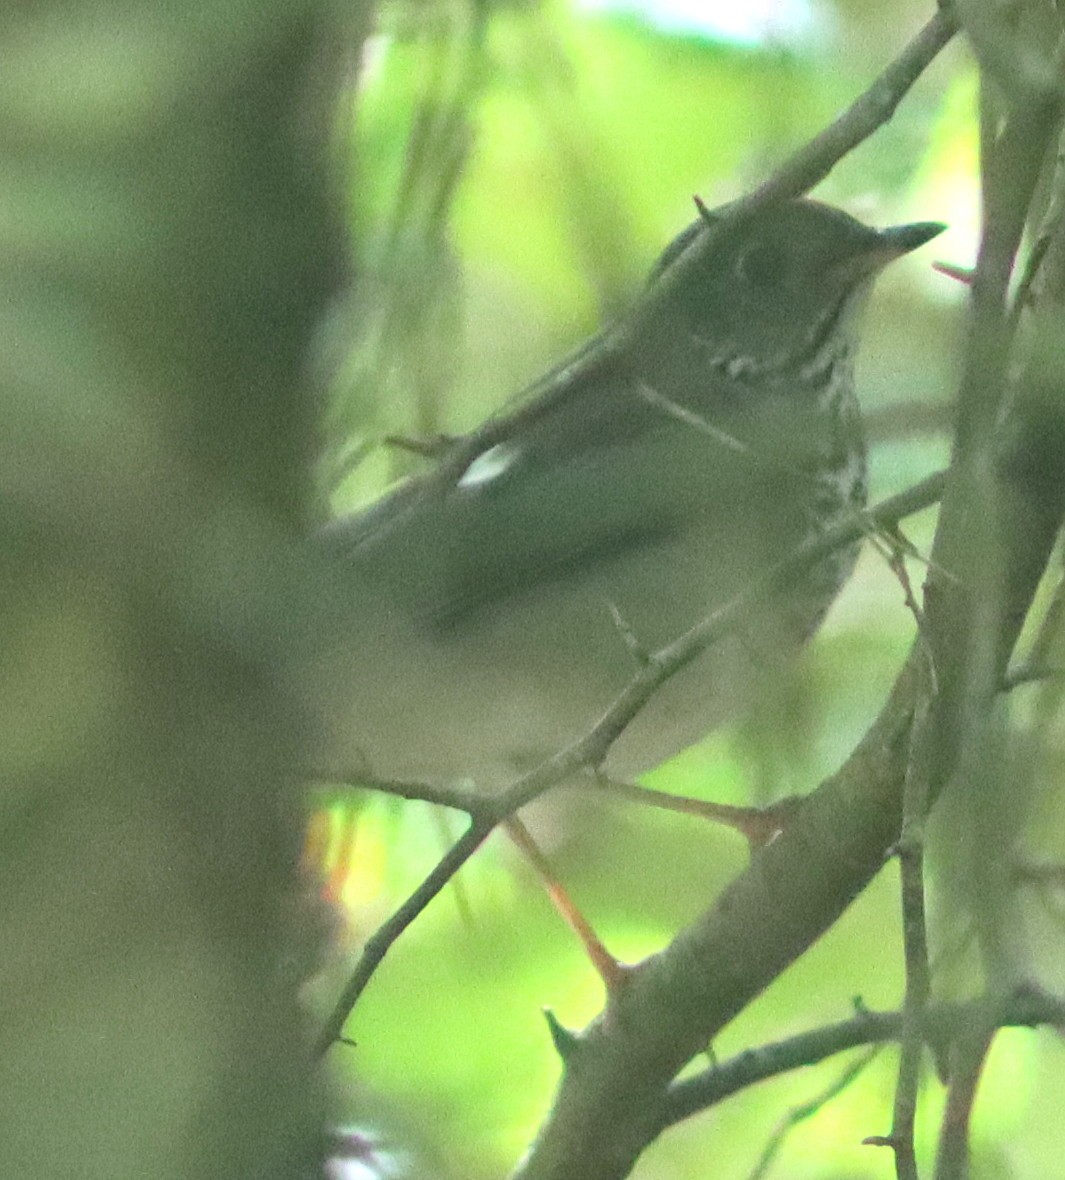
939,1025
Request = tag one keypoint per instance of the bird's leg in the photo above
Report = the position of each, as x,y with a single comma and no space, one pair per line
610,970
760,825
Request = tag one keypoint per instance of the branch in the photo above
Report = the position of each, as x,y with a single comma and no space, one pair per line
997,516
939,1025
915,804
966,1065
383,939
810,1108
866,115
456,798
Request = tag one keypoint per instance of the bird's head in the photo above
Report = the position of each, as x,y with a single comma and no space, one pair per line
766,290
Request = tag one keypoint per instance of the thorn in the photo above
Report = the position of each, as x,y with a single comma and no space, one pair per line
628,636
880,1141
566,1041
961,274
704,211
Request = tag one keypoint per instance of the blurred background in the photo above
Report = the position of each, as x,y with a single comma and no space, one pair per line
519,167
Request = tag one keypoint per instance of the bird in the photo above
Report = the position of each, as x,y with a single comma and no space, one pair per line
631,492
497,604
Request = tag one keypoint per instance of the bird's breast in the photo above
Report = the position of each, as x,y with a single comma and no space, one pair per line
500,620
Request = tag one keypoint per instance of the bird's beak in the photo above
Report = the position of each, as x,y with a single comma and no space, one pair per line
901,239
889,244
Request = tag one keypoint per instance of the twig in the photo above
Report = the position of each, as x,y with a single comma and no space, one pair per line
610,971
758,824
940,1024
1040,661
807,1110
457,798
1024,294
915,935
966,1066
429,447
382,940
813,162
960,274
898,548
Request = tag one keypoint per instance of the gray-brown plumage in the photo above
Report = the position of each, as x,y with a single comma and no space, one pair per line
495,604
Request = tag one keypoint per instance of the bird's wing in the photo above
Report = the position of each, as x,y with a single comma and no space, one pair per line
580,480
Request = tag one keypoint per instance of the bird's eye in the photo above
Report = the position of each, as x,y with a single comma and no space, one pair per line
761,266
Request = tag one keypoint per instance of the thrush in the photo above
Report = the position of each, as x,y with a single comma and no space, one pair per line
497,603
500,603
